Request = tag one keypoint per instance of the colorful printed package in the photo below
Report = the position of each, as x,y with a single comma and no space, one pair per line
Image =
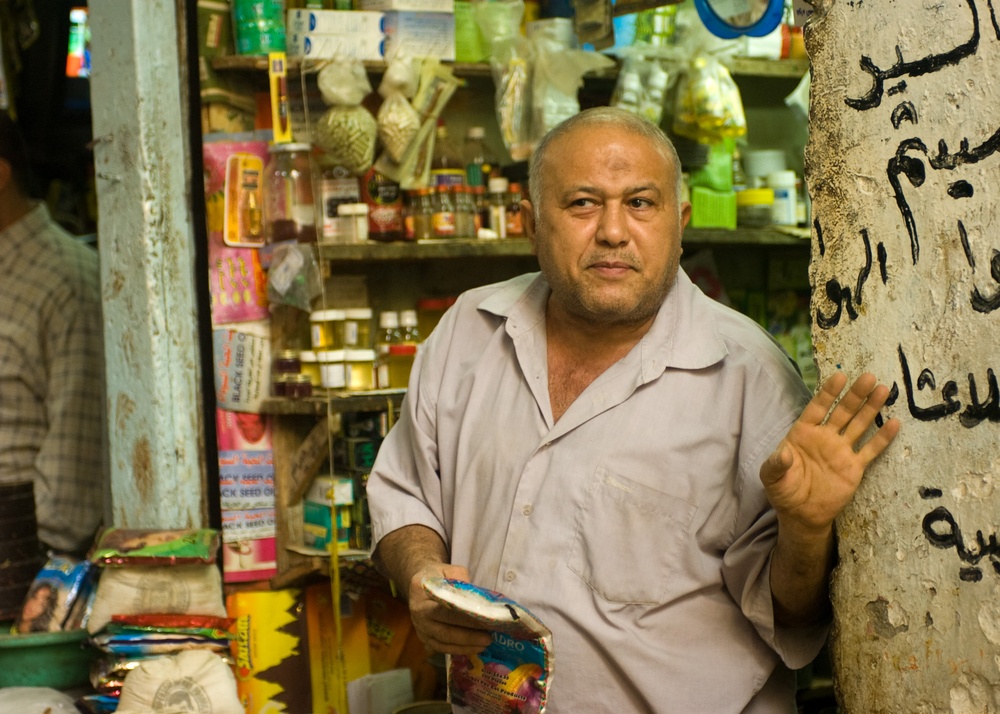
57,597
512,675
156,546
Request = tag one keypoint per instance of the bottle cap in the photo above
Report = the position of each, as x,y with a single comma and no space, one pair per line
388,320
408,318
499,185
326,315
358,313
476,132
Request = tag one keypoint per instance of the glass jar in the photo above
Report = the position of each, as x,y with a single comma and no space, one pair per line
400,363
754,207
289,209
422,213
331,369
327,329
358,327
444,212
298,386
287,362
359,369
309,363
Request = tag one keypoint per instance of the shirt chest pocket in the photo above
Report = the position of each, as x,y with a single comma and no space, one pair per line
626,537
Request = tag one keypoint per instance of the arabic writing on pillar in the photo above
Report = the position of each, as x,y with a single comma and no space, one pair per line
912,160
942,531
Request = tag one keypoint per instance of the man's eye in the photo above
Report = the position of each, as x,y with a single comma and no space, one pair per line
640,202
582,202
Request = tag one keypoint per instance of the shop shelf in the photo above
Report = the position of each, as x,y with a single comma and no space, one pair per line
329,401
746,66
471,247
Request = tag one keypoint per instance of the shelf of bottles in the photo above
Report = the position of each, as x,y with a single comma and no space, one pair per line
473,247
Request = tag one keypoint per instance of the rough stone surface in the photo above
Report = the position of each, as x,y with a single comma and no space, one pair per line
903,170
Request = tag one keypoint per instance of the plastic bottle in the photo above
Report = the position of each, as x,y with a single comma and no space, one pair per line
784,212
409,327
465,213
478,162
447,166
498,206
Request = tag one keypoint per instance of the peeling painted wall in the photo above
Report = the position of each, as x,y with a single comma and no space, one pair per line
147,263
903,169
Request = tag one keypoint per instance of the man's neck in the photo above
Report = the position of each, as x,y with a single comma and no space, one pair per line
13,209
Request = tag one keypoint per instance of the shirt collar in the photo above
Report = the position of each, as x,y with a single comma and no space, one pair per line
683,334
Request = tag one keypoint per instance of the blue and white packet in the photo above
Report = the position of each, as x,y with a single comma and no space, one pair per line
512,675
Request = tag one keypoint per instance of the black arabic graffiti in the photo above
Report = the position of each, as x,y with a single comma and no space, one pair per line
975,411
841,296
916,173
941,529
924,65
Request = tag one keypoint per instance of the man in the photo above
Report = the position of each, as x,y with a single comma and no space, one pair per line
622,455
52,425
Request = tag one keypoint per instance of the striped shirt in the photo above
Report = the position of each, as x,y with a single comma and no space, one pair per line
52,416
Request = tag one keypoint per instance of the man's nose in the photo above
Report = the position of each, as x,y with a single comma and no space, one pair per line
612,229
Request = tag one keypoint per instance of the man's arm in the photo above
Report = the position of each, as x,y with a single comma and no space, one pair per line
809,480
408,555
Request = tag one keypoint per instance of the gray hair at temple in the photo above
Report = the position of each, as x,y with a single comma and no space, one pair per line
602,116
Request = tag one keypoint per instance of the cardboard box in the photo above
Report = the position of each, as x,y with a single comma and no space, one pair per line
271,651
408,5
334,22
314,46
330,670
420,34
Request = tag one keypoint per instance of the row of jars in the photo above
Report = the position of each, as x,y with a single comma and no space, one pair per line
463,211
296,374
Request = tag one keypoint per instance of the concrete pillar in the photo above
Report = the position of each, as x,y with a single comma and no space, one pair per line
147,264
903,170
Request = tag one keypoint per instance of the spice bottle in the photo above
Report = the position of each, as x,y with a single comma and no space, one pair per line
515,227
478,162
385,206
422,214
498,206
465,213
444,213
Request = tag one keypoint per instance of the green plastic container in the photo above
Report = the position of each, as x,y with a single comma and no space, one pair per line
59,660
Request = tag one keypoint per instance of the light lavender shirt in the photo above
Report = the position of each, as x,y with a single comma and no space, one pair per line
636,526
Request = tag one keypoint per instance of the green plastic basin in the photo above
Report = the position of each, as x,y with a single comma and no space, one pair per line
45,659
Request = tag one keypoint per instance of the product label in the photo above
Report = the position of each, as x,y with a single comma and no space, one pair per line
443,223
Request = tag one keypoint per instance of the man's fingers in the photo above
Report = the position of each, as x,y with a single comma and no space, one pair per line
852,402
819,406
865,415
880,439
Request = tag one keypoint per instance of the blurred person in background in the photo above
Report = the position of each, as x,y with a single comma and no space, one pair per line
52,415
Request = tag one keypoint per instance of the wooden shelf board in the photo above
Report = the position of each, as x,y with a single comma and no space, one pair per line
471,247
329,401
747,66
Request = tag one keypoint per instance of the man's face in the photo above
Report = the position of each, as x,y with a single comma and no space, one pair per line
608,231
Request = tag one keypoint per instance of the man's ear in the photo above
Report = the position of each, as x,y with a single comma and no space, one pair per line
528,221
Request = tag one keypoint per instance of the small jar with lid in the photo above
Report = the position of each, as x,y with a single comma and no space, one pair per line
331,369
754,207
327,329
358,328
400,363
359,369
289,208
298,386
309,364
286,362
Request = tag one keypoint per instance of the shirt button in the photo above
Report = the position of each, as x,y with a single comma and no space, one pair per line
509,576
527,510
